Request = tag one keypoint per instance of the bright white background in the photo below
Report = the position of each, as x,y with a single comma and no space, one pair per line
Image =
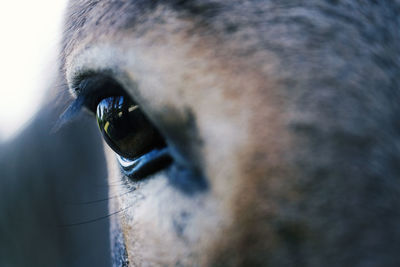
29,36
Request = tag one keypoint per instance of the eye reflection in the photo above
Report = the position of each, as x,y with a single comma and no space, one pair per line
126,129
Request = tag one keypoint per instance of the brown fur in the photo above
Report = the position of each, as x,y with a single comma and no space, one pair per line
294,126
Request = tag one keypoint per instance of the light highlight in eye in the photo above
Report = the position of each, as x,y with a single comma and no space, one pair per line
141,149
147,164
125,128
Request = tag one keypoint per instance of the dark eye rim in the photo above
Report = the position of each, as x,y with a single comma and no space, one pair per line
93,88
150,163
182,175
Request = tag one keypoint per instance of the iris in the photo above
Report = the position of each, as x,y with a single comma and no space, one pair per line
130,134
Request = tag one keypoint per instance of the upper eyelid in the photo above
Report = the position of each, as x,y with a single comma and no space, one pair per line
93,88
83,84
76,81
88,91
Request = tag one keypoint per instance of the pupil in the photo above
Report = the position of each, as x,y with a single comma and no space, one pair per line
125,128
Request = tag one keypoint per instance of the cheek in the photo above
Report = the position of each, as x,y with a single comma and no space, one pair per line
158,223
119,254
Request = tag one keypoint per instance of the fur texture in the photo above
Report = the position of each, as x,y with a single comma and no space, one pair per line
288,109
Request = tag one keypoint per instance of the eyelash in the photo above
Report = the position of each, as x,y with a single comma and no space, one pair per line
90,89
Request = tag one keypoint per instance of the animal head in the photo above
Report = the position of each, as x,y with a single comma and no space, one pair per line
244,132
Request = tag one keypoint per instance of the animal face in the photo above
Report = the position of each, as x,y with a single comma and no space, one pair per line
243,132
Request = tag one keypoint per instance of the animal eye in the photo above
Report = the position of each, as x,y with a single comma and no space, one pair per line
141,150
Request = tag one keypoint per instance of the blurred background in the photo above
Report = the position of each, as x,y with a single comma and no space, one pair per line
53,188
30,33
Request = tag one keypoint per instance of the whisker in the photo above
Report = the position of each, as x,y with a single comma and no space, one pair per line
118,184
100,200
110,185
115,182
93,220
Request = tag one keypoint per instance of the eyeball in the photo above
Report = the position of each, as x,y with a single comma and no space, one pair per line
126,129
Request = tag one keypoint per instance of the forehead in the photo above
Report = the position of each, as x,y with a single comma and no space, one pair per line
232,22
87,19
298,35
286,28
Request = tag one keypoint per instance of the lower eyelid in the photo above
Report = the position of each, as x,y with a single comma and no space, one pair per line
147,164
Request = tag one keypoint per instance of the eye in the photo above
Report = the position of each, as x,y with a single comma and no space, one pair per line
140,149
